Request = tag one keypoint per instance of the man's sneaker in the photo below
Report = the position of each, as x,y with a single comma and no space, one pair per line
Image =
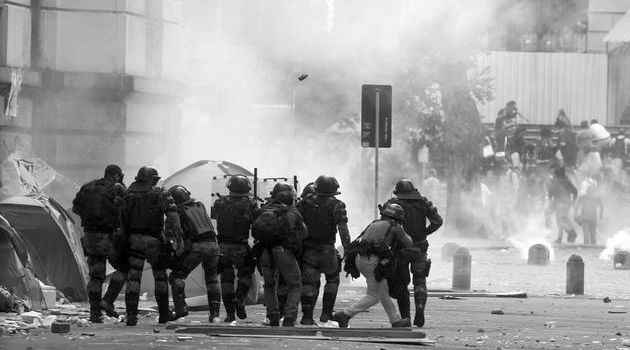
167,318
403,322
180,314
271,322
229,318
341,318
109,309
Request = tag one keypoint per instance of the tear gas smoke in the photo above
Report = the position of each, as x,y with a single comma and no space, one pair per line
619,242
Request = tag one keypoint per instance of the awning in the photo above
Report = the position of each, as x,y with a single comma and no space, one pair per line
621,31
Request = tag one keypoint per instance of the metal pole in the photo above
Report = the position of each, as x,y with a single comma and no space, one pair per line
376,144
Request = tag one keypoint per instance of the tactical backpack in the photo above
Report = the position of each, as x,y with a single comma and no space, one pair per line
98,205
271,226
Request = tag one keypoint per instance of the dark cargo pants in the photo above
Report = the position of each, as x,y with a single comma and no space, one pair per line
205,253
99,248
239,257
278,260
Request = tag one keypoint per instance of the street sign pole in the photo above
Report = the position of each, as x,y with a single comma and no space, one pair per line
377,132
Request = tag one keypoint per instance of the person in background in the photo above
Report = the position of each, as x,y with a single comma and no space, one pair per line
586,210
584,141
562,193
566,140
601,137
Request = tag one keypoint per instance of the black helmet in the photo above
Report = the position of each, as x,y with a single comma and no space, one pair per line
404,186
326,186
283,192
147,174
239,185
180,194
393,211
112,170
308,189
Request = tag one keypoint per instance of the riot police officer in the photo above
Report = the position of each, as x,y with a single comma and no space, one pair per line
149,217
98,205
279,231
417,210
369,255
200,246
235,214
323,215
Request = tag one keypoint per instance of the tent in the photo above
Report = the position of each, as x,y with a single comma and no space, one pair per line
18,266
47,233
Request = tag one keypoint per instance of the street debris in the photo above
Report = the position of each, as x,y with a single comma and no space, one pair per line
606,300
60,327
497,312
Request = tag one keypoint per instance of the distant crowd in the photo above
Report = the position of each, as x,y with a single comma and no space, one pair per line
524,174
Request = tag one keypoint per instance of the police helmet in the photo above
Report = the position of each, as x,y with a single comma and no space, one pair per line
239,184
393,211
308,189
404,186
112,170
148,174
180,194
283,192
326,186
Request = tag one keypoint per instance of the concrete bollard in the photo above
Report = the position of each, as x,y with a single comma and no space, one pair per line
538,254
448,250
575,275
621,260
461,269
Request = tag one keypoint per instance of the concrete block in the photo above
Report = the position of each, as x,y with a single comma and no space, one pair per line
172,49
101,5
15,36
620,6
145,117
142,150
25,112
172,10
89,115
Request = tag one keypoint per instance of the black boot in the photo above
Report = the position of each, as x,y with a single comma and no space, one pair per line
214,310
341,318
282,302
132,320
328,304
179,300
274,320
307,312
419,319
95,307
163,309
403,322
228,302
404,306
240,309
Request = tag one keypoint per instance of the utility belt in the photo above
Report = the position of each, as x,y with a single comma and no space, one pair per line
210,237
424,245
382,251
311,244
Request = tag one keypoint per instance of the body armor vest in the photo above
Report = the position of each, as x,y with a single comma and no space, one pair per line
415,220
198,220
145,215
234,218
319,218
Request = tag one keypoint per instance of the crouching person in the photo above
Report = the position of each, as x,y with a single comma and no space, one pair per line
372,255
200,247
279,231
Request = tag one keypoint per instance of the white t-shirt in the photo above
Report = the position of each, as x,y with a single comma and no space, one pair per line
599,132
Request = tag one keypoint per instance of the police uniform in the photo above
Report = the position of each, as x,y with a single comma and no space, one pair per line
235,214
143,218
323,216
277,256
370,252
417,210
200,246
98,205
